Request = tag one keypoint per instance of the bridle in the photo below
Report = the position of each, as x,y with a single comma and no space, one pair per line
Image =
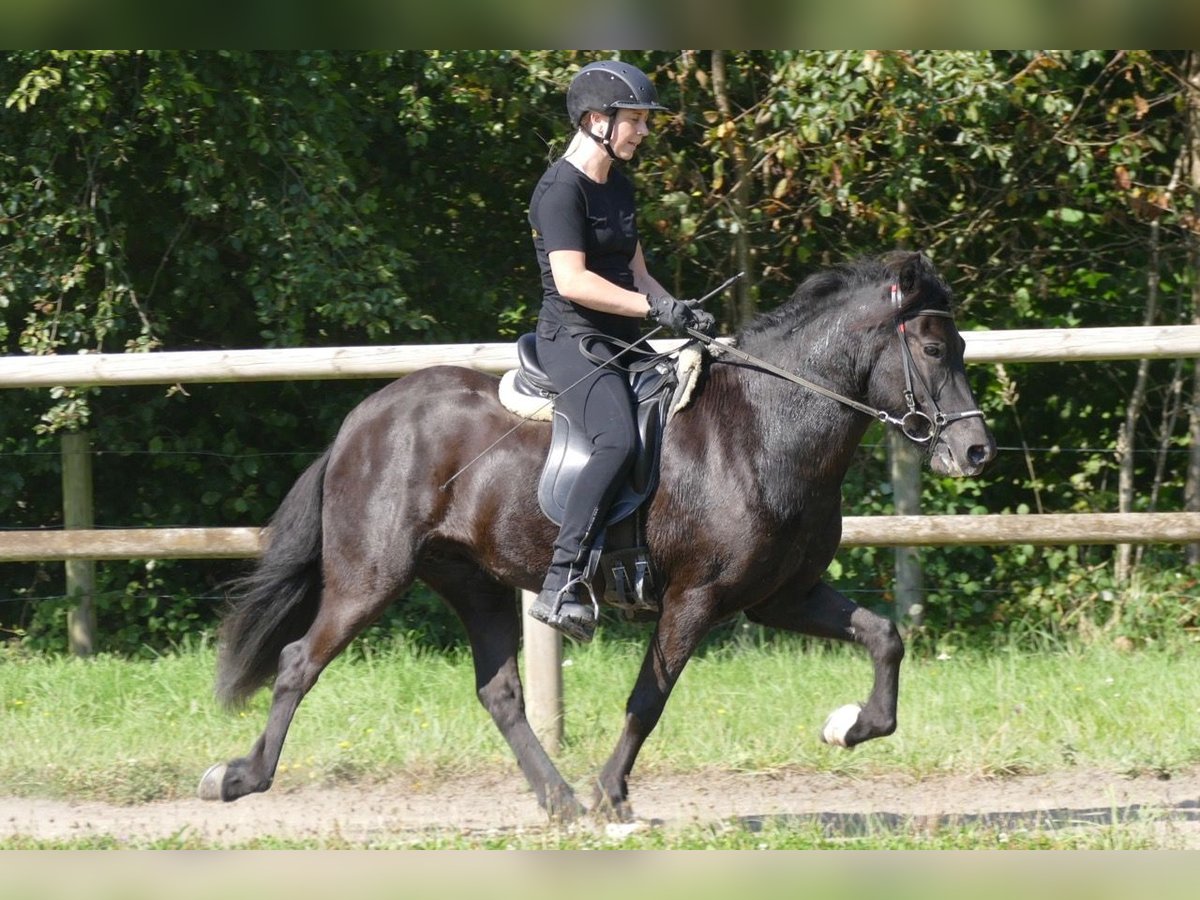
915,424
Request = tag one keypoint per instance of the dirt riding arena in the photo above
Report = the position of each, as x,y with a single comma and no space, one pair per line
362,814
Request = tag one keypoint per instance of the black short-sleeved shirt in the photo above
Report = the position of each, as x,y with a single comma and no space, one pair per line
569,211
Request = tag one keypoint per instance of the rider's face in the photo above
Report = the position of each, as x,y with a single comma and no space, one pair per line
632,126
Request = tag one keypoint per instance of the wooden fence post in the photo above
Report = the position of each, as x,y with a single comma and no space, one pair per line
543,678
78,513
905,459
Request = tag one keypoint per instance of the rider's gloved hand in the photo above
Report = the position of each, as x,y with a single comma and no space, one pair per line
679,315
705,323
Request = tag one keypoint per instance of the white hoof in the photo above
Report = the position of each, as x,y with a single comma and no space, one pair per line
211,781
618,830
840,721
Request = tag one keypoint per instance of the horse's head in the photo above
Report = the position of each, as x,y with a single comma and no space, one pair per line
919,378
880,337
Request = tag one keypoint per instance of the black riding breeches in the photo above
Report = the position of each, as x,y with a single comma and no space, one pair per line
602,404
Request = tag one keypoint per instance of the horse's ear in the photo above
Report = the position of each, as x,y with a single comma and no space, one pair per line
909,268
914,271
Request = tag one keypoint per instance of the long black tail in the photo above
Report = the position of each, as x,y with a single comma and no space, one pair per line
276,603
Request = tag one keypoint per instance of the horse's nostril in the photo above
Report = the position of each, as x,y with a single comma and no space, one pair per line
979,454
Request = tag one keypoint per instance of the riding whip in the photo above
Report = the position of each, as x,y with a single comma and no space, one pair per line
550,402
606,362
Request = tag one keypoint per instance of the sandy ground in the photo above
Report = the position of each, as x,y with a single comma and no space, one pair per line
486,804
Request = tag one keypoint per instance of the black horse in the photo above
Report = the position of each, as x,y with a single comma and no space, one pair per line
746,516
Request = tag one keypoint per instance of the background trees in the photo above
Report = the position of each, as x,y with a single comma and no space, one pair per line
177,200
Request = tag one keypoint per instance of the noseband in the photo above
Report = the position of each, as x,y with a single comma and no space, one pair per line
916,425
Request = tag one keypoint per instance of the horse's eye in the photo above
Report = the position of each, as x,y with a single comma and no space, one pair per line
933,350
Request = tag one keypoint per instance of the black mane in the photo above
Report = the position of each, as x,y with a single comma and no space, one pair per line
922,287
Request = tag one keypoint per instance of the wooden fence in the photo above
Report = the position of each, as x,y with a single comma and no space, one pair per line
80,544
857,531
1049,345
1045,345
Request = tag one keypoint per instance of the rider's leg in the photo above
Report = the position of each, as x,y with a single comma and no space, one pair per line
602,405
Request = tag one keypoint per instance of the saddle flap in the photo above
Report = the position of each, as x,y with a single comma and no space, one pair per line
570,450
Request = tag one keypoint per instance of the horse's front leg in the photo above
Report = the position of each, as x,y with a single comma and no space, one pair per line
674,641
824,612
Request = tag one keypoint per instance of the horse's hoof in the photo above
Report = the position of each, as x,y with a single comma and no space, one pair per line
606,811
620,830
211,782
561,806
566,813
839,723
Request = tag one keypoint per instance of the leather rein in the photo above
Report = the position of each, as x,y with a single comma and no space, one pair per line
915,424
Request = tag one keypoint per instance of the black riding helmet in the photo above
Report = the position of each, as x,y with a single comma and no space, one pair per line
605,87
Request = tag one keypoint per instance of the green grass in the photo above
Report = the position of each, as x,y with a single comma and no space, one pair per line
133,731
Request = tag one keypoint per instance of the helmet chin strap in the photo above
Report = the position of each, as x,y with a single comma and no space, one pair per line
606,141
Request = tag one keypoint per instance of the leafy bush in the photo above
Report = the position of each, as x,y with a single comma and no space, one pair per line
175,200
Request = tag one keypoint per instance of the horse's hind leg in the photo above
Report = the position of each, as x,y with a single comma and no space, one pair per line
301,662
490,613
824,612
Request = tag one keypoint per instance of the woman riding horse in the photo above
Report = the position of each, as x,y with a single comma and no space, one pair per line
595,283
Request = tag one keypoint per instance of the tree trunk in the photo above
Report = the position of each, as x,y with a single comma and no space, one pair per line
906,495
905,464
1127,435
1192,481
77,513
1170,418
744,306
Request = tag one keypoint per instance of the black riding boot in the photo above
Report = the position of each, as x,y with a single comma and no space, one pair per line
566,603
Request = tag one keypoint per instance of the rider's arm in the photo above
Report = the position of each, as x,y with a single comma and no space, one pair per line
642,279
576,283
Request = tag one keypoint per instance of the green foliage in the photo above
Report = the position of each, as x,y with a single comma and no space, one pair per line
137,612
1051,595
173,200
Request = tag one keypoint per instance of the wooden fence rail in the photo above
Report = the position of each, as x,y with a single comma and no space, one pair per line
1044,345
186,367
857,531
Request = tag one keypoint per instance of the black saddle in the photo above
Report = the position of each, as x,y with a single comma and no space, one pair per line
652,379
619,554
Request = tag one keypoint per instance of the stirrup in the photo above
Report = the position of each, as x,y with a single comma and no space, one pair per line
551,613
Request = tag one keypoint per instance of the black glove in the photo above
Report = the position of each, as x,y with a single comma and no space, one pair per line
679,315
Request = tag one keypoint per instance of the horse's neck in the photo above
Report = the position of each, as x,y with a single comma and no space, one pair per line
825,353
794,428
